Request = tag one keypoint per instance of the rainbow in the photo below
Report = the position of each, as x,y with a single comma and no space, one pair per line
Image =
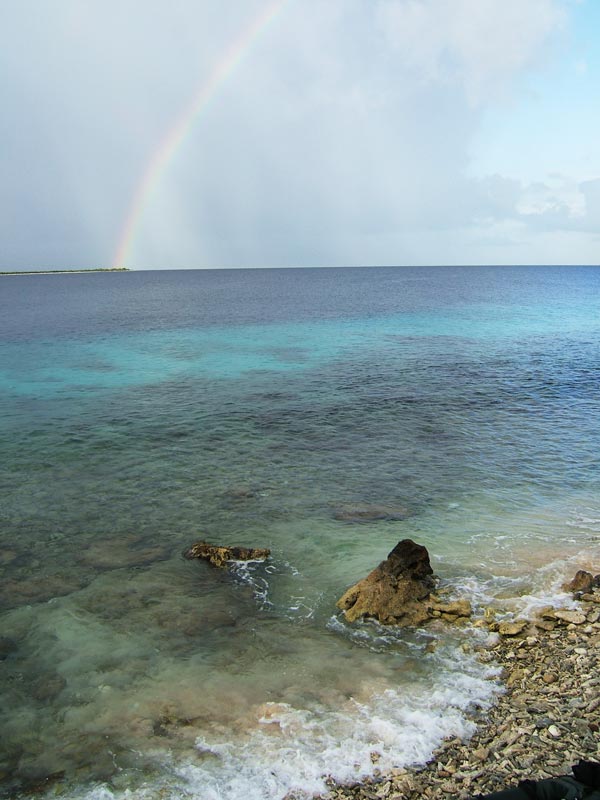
172,141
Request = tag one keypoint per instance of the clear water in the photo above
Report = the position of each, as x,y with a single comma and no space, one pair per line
142,411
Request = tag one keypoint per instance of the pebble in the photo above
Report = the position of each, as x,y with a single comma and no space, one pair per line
554,700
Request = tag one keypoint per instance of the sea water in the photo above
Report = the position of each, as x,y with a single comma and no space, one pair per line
142,411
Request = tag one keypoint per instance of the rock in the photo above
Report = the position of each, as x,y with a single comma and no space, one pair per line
591,598
369,512
47,688
396,591
39,588
512,628
7,556
240,493
549,677
7,646
582,582
456,609
573,617
219,555
115,552
545,624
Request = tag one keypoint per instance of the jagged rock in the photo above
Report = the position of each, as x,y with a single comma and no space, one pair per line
369,512
218,555
582,582
396,592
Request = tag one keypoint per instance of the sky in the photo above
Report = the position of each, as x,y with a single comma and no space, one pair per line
277,133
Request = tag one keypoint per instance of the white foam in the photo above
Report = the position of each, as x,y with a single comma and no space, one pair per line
291,749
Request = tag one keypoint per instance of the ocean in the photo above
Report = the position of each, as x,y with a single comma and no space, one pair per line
143,411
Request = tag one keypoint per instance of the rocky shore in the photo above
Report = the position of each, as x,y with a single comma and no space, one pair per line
546,720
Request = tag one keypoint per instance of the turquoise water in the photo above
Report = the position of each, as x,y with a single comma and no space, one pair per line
146,410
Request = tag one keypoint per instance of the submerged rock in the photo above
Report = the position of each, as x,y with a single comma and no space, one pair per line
48,687
369,512
115,552
396,591
7,646
219,555
38,588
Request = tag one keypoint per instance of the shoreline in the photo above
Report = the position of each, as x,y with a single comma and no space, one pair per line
547,718
64,271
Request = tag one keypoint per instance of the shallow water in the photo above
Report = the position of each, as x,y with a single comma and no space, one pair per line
146,410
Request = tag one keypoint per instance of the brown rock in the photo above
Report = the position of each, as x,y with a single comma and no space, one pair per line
545,624
218,555
456,608
582,582
549,677
512,628
591,598
394,592
573,617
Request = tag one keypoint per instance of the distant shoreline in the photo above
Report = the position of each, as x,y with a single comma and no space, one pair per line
66,271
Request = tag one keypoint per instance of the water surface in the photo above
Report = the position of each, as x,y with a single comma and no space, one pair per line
145,410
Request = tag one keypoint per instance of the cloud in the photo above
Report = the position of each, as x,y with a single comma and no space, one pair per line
343,135
479,46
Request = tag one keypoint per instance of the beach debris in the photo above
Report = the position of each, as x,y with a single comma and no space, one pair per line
219,555
399,591
369,512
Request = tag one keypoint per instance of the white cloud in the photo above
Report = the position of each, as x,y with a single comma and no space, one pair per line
343,135
480,45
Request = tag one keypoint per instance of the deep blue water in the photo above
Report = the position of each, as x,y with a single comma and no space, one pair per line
143,410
